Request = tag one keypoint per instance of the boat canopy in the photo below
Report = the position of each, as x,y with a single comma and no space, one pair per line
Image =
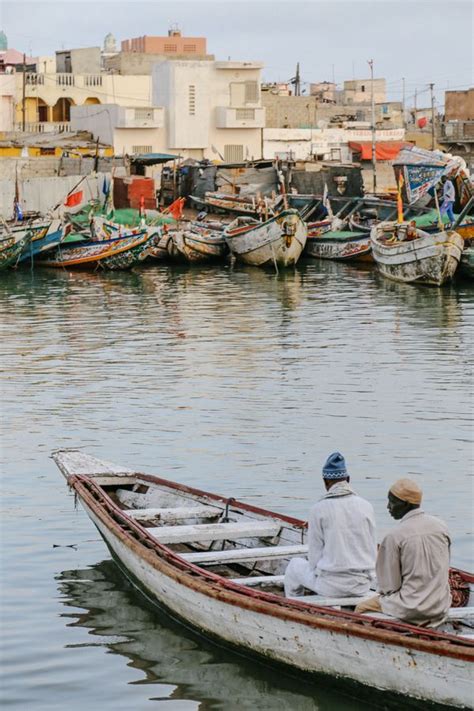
384,150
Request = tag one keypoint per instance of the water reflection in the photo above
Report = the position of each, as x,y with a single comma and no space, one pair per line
180,665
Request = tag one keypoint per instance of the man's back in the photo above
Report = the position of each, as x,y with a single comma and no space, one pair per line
413,569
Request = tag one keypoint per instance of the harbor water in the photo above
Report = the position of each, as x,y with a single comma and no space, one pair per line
233,380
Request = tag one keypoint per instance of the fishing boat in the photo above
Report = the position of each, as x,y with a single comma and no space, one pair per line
197,242
217,564
251,205
279,241
119,253
466,266
342,245
12,245
43,240
405,253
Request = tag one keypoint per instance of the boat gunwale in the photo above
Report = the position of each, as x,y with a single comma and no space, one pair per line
222,589
107,252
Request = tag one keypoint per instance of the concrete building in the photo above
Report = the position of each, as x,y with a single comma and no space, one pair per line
459,105
7,101
324,91
213,109
84,60
456,132
359,91
173,45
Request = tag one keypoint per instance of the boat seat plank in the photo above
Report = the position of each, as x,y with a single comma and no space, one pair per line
264,580
460,613
238,555
177,513
332,601
214,531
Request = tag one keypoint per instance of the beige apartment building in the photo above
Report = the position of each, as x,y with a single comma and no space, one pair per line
359,91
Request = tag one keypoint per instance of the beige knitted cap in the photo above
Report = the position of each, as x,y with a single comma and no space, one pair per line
407,490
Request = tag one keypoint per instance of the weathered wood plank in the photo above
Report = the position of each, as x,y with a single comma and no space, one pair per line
214,531
332,601
73,461
245,554
177,513
116,480
263,581
460,613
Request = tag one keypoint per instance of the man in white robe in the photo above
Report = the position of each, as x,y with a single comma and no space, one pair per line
341,541
412,562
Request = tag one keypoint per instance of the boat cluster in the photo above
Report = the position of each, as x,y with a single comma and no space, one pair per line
419,248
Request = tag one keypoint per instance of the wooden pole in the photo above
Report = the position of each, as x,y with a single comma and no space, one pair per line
432,118
23,102
374,143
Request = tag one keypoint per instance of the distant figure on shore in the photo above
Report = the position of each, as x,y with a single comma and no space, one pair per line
341,541
412,562
449,196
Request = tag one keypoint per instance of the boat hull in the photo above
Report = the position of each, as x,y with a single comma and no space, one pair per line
277,242
284,636
43,241
355,247
430,259
12,246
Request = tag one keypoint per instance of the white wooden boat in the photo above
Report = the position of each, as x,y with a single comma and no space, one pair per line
278,241
405,253
218,564
197,242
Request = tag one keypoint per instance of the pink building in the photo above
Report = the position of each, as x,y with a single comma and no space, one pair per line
173,44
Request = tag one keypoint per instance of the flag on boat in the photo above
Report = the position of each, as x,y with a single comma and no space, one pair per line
18,211
401,183
74,199
176,208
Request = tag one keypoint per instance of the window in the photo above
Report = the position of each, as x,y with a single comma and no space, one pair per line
362,88
170,48
251,92
142,149
245,114
233,154
143,114
189,47
47,151
192,100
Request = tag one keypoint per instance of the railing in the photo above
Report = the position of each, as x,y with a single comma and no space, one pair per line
65,79
35,79
44,127
92,79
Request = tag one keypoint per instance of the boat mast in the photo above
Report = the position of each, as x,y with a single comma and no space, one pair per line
372,101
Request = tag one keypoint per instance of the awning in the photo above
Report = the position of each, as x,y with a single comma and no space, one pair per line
384,150
152,158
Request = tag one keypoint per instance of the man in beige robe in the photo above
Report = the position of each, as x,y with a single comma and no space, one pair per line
413,562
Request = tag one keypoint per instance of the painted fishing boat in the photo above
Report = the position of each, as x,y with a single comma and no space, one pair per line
466,266
405,253
217,564
197,242
279,241
251,205
342,245
43,240
119,253
12,246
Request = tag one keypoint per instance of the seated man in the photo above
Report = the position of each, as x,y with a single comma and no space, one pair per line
341,541
412,562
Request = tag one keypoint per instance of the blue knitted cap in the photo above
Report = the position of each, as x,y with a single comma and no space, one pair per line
335,467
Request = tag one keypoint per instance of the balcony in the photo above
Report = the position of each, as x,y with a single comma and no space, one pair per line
244,117
457,132
140,117
44,127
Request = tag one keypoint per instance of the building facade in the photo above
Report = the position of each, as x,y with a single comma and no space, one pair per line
359,91
174,44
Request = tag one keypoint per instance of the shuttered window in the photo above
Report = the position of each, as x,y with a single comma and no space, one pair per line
251,92
142,149
170,48
245,114
189,47
192,100
144,114
233,154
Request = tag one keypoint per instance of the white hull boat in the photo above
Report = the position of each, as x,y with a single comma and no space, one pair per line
217,564
277,242
423,258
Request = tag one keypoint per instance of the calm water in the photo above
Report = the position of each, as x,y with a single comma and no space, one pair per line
236,381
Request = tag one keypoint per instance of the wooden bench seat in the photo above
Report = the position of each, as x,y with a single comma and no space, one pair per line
214,532
332,601
240,555
174,514
264,581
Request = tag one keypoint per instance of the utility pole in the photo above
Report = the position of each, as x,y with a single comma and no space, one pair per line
432,117
374,143
403,103
297,80
23,102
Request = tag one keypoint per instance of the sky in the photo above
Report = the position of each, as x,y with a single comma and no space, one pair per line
422,41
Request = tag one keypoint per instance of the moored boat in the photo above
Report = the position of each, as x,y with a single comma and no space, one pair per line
43,240
466,266
119,253
342,245
217,564
277,242
12,245
405,253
